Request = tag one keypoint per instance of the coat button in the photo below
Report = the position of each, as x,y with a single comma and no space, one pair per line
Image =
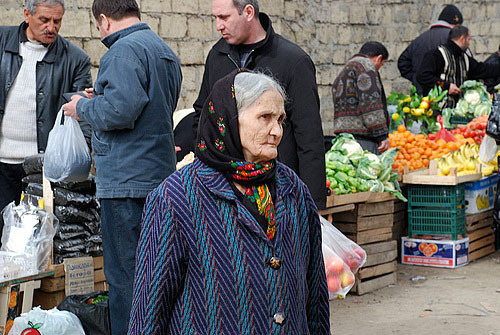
279,318
275,263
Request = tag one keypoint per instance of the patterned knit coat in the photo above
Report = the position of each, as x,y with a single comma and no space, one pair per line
203,262
359,101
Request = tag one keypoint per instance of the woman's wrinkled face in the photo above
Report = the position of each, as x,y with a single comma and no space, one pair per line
261,127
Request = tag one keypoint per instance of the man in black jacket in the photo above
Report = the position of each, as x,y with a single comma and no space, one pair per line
449,66
249,41
493,59
36,67
411,58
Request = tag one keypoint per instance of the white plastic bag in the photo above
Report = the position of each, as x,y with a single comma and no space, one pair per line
51,322
488,149
342,259
67,156
29,230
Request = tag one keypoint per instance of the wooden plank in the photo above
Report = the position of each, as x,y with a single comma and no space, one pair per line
353,198
376,283
378,208
374,235
478,244
345,228
365,222
377,270
52,284
482,252
471,218
381,258
99,276
337,209
372,239
479,224
376,248
479,233
98,262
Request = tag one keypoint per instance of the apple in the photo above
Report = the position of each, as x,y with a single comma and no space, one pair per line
360,252
346,279
333,284
354,264
334,265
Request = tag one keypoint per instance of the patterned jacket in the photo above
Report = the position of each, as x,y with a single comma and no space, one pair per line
205,266
359,101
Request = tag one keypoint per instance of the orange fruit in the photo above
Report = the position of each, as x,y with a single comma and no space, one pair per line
401,128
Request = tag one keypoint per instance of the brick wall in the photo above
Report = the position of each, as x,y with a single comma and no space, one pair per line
330,31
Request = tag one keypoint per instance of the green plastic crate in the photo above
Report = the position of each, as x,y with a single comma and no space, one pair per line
436,221
436,196
460,119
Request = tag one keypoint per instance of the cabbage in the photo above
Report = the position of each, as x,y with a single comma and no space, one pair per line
462,108
482,109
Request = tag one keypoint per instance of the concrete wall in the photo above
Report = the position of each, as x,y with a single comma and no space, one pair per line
330,31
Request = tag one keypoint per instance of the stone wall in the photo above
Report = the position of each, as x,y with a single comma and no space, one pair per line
329,30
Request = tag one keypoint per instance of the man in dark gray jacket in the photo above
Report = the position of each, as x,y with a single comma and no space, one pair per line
249,41
36,67
410,60
135,94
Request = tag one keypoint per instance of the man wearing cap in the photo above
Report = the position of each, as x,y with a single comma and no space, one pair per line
449,66
410,60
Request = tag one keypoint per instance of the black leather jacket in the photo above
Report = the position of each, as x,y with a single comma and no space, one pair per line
65,68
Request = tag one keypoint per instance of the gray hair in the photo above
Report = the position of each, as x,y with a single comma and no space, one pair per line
240,5
32,5
249,86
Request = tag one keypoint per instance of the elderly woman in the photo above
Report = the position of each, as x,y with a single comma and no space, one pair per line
231,244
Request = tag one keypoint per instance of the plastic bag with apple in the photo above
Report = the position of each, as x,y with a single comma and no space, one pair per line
342,257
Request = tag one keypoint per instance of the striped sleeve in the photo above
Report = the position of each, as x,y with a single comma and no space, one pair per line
160,267
318,306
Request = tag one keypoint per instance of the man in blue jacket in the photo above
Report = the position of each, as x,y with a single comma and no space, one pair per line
134,96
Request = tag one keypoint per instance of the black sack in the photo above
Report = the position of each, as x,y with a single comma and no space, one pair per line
94,317
493,125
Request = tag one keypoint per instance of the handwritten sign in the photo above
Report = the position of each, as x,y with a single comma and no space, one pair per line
79,278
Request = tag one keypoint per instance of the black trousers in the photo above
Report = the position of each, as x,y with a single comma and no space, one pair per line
11,186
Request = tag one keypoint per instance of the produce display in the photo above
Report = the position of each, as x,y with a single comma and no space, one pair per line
349,169
414,107
476,129
476,101
465,160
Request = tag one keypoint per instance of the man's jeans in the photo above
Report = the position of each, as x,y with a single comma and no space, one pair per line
121,226
11,186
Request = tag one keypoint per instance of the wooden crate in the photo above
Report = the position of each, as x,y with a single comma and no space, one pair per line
430,176
481,243
51,291
368,222
380,268
477,221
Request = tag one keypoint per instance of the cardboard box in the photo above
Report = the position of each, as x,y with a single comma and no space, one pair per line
437,253
480,195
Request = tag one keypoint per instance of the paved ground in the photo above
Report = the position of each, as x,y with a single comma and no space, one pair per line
448,301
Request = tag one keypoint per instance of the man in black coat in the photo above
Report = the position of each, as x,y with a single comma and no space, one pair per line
449,66
36,67
249,41
411,58
493,59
